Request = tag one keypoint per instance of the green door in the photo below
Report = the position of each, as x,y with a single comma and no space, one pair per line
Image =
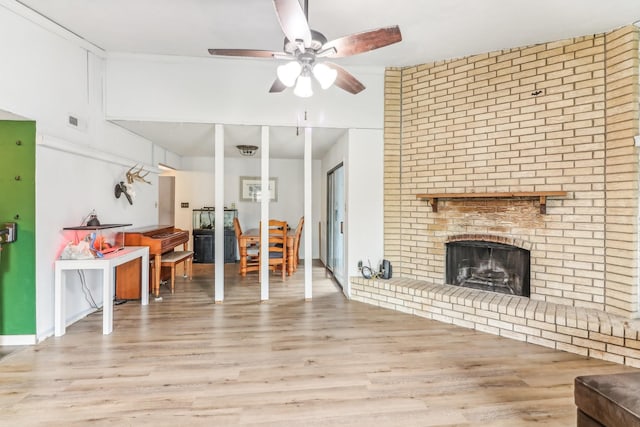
17,204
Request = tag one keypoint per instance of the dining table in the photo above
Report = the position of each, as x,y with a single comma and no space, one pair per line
252,236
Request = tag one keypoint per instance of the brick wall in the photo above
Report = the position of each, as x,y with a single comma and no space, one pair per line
621,170
554,116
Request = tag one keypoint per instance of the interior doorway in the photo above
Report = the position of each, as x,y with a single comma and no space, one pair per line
335,222
166,200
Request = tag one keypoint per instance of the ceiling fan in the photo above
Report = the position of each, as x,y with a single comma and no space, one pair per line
305,49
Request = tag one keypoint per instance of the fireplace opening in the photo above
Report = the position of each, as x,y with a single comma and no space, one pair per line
488,266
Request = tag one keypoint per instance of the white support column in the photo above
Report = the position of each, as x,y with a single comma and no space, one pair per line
264,216
308,220
219,215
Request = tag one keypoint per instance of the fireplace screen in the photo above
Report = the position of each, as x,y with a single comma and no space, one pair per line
488,266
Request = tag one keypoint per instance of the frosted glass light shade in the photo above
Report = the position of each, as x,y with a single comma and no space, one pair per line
303,87
325,75
289,72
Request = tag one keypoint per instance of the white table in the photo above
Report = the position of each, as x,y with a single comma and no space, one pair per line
107,264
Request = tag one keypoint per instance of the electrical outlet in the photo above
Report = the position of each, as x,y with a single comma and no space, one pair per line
637,140
11,232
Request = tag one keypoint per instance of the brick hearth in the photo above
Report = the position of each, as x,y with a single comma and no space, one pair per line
577,330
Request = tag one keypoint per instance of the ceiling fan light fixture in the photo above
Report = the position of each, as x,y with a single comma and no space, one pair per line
303,46
289,72
303,87
325,75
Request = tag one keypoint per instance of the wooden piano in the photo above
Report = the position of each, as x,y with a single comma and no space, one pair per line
160,239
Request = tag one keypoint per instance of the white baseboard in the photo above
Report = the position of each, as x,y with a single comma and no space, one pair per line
18,340
49,332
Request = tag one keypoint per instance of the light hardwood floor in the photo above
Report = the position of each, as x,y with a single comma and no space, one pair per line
286,362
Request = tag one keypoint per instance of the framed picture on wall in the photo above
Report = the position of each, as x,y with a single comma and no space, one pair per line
251,189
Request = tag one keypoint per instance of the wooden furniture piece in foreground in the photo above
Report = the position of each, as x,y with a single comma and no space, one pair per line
294,255
128,280
252,236
172,259
277,243
249,251
107,264
432,198
608,400
160,239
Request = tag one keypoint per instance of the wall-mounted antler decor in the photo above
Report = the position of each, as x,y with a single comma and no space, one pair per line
135,176
126,188
122,188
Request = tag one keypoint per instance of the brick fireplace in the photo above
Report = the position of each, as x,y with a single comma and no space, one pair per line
558,116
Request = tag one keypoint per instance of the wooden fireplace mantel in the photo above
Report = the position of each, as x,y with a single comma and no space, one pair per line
432,198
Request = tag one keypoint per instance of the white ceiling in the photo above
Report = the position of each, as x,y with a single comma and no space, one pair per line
432,30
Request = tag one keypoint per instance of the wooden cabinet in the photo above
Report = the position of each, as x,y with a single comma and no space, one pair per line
128,280
204,246
230,246
203,241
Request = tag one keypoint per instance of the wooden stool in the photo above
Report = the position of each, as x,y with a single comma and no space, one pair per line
171,259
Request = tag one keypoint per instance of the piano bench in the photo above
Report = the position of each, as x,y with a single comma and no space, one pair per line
171,259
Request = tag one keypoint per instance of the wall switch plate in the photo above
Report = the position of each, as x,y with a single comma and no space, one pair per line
184,204
77,122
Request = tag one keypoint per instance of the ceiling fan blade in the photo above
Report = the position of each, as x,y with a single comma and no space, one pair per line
345,79
361,42
293,21
245,52
277,86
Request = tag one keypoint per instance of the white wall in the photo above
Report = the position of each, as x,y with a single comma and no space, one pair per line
195,185
46,78
43,77
361,152
365,199
68,187
232,91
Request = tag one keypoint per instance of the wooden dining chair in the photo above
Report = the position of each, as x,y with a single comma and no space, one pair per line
249,252
277,245
296,244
